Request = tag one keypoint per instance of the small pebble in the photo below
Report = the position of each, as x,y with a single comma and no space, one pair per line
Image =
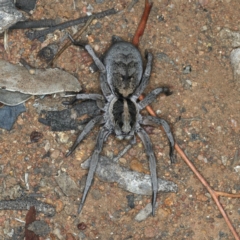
168,202
136,166
55,154
82,226
59,205
99,1
130,199
202,198
96,48
63,137
149,232
40,228
187,69
69,236
68,186
96,194
35,136
145,212
122,160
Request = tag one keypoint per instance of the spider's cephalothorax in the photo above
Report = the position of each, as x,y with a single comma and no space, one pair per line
122,81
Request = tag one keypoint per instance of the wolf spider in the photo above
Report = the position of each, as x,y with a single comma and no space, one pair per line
122,81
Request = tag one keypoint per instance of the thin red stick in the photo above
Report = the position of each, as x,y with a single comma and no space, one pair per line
142,24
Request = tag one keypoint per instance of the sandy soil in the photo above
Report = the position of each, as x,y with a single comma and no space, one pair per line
203,112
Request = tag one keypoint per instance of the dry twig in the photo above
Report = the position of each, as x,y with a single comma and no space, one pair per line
69,42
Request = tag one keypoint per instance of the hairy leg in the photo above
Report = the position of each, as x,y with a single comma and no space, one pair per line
93,164
152,96
91,124
152,165
149,120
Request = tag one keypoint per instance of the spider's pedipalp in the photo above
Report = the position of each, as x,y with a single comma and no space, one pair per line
103,134
152,164
91,124
104,86
145,77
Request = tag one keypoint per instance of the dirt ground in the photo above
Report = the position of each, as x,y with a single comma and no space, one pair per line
203,113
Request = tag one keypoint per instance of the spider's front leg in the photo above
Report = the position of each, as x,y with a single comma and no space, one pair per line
103,78
91,52
102,136
149,120
152,164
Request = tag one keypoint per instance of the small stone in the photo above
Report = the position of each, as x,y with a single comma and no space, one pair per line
59,205
163,212
96,48
187,69
168,202
63,137
40,228
235,62
99,1
130,199
55,154
79,154
145,212
68,186
224,160
136,166
96,194
82,226
90,38
202,198
149,232
204,28
122,160
69,236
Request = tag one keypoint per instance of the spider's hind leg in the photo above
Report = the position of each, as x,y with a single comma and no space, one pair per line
103,134
149,120
152,165
152,96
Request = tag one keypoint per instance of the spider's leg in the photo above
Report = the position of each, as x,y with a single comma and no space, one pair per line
91,124
93,164
145,76
152,164
98,62
91,52
91,96
149,120
152,95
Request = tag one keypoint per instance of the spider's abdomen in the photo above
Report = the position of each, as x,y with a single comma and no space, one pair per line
123,114
124,68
